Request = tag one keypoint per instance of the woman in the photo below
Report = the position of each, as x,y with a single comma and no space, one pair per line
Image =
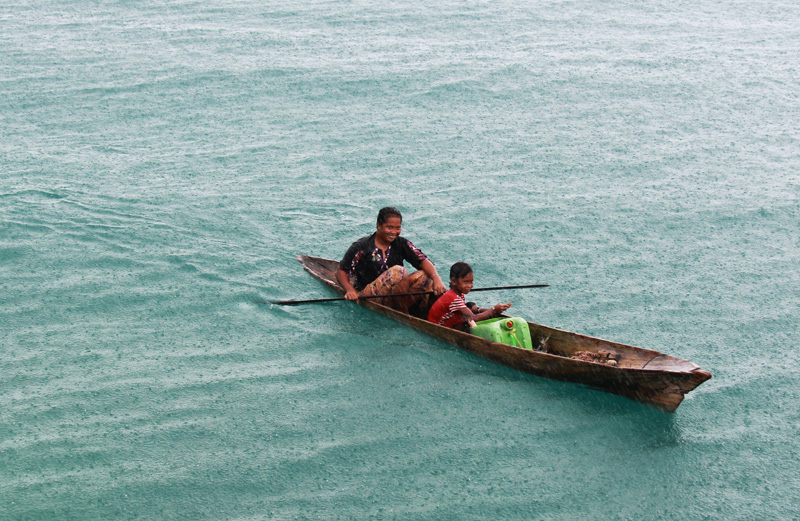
373,265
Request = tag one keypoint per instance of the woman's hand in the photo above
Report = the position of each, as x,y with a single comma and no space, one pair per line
438,286
430,270
344,281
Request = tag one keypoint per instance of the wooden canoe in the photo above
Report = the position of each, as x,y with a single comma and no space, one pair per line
639,374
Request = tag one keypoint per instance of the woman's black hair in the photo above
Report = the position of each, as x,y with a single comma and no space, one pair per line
460,270
389,211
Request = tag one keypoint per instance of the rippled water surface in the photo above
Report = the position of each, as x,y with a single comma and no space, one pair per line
161,165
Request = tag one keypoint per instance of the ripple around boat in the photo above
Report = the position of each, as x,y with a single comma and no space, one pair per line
639,374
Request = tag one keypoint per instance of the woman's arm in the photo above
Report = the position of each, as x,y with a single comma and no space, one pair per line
344,280
430,270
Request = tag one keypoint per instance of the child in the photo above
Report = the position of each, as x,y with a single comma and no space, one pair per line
451,310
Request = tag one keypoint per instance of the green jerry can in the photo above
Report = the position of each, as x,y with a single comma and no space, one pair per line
512,331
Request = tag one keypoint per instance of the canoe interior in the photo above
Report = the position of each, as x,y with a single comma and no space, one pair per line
640,374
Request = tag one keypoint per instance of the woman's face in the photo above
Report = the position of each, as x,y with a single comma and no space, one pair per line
390,230
464,284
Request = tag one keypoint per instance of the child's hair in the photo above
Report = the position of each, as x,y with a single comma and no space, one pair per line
389,211
460,270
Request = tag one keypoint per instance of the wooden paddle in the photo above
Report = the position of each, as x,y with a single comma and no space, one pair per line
314,301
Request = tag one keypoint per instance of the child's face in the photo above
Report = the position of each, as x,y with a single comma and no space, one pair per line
462,285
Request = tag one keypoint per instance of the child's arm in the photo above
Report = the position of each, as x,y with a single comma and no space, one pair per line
469,313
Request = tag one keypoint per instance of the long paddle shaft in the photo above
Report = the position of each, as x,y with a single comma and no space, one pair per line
314,301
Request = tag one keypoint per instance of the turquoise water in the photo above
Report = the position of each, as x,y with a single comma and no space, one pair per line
162,164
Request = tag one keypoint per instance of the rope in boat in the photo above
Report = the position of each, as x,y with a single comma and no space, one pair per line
517,339
658,355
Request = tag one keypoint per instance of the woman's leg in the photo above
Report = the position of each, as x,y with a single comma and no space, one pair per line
397,280
417,282
390,281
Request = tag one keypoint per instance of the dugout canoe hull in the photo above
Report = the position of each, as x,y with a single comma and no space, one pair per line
640,374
